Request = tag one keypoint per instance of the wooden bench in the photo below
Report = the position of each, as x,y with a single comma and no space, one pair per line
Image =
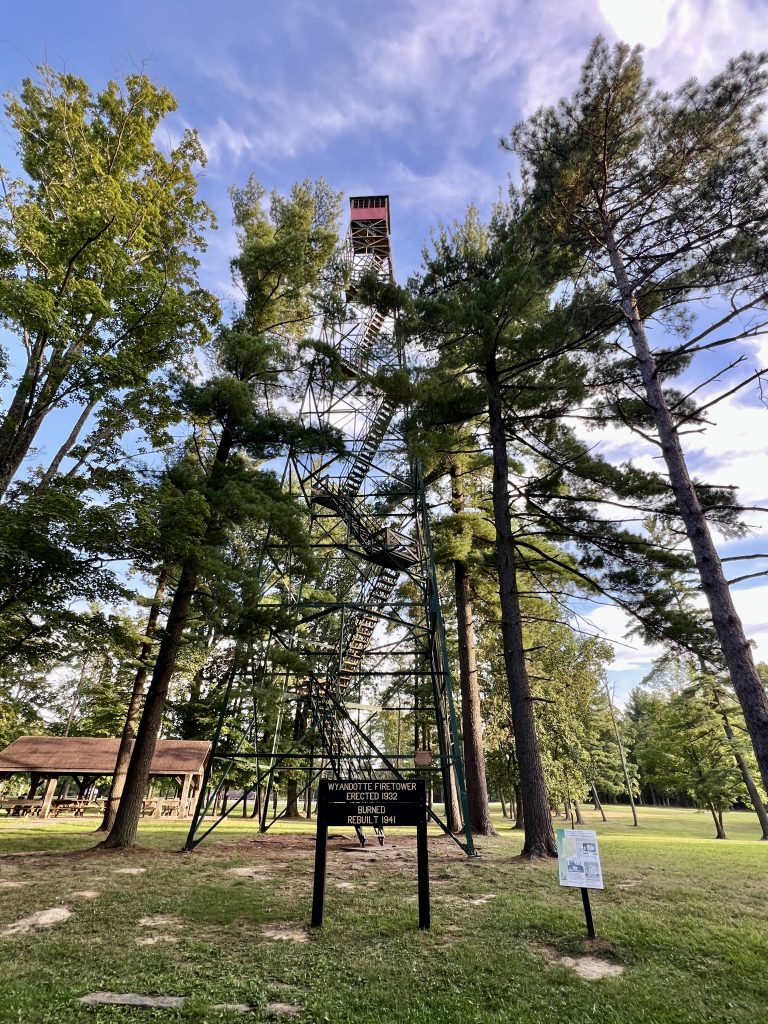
20,807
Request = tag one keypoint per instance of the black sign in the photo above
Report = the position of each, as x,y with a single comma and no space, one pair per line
372,803
375,803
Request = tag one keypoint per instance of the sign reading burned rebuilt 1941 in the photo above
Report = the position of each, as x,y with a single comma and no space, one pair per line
371,803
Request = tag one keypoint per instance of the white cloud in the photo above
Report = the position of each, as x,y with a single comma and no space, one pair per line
451,188
645,23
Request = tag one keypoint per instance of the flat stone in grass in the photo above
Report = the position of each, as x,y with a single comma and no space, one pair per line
258,873
6,883
285,933
160,921
152,940
590,968
37,921
133,999
86,894
235,1007
130,871
282,1009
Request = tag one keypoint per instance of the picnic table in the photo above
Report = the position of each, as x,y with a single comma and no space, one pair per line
160,807
75,807
18,807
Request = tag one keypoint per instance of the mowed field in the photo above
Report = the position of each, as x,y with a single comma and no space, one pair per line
684,916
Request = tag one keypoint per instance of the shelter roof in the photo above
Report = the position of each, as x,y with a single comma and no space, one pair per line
90,755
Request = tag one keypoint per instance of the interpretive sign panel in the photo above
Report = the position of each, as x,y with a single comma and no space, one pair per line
578,858
371,803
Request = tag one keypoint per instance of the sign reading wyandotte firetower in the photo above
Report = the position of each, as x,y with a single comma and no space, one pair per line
372,803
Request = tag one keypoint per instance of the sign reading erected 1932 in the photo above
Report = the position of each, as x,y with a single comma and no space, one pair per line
375,803
371,803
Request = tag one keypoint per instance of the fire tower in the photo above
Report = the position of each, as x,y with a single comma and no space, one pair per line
363,687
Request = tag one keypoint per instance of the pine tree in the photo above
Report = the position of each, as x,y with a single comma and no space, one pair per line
666,198
283,253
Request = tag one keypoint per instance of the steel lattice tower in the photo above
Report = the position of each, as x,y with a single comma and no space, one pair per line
365,655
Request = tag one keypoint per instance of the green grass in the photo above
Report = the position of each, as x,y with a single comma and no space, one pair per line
690,930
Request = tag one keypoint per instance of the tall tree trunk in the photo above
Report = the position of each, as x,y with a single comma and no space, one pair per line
503,806
617,734
76,697
66,448
123,832
749,782
539,835
598,805
17,432
29,406
579,819
471,717
291,801
730,632
717,817
134,706
519,813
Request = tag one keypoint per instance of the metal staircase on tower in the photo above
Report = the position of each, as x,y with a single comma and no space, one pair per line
358,684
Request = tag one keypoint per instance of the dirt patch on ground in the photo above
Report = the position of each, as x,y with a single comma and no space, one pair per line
152,940
285,933
35,922
590,968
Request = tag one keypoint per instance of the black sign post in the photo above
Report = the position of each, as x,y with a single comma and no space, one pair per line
371,803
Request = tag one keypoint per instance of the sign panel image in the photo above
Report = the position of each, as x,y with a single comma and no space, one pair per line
578,858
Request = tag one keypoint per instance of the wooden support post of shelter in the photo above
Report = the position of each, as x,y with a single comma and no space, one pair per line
50,789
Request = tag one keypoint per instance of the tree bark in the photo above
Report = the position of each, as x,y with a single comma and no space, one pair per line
579,819
539,835
123,832
32,401
519,814
471,716
717,817
627,780
134,706
730,632
68,445
749,782
124,829
598,805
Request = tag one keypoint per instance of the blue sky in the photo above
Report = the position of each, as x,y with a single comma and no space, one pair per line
407,98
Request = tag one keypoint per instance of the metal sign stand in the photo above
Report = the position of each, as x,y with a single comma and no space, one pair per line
376,803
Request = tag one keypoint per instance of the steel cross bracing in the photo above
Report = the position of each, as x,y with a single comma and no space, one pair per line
359,684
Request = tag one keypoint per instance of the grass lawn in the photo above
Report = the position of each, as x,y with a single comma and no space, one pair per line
685,915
